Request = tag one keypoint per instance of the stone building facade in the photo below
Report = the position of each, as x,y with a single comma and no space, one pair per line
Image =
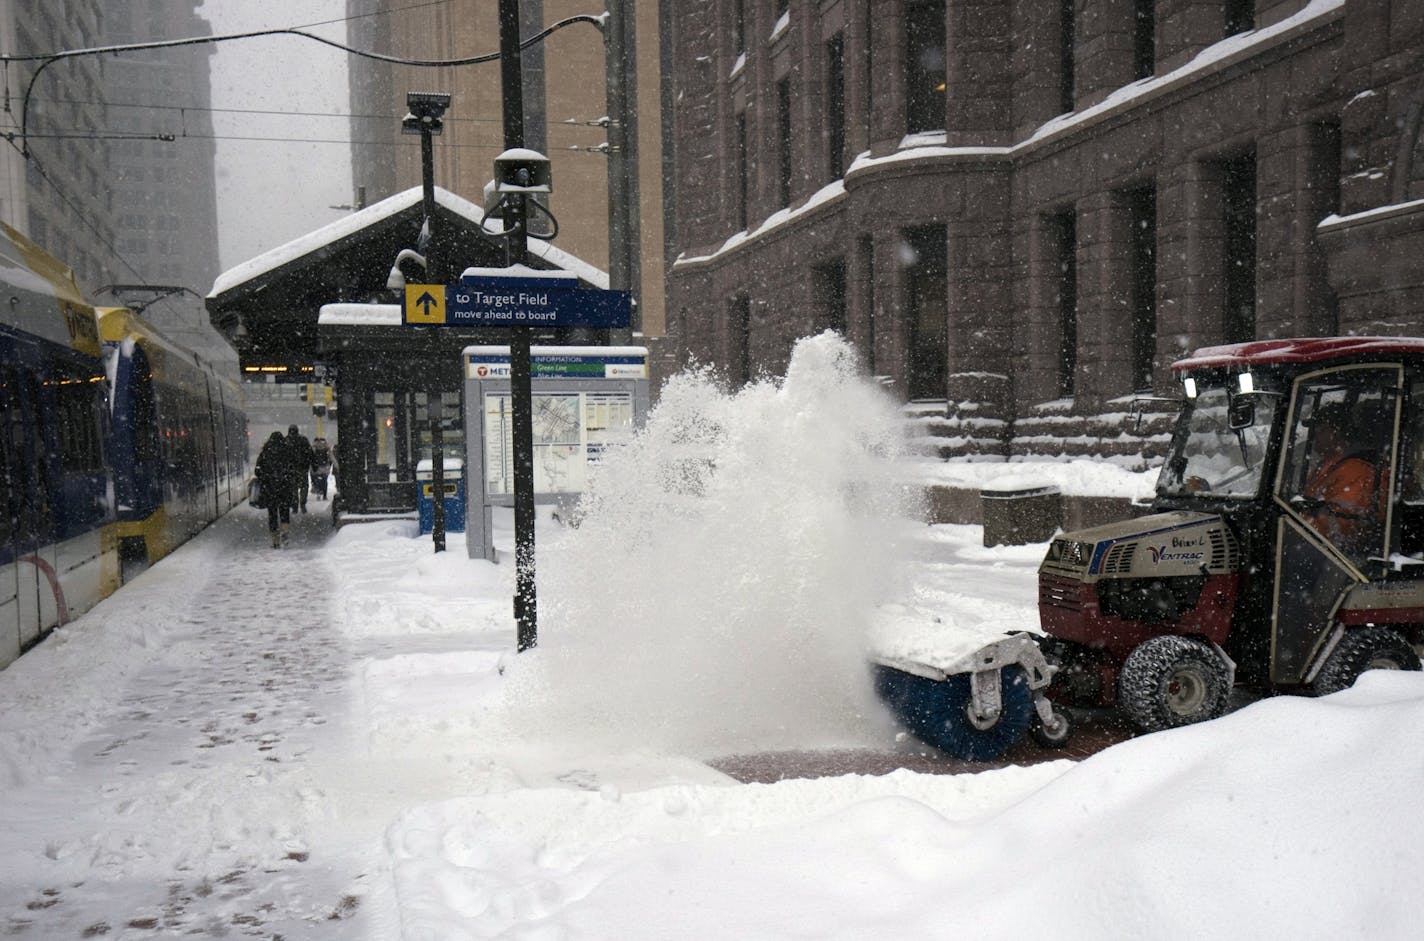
1028,209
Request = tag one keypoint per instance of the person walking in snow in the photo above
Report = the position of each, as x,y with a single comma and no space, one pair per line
321,467
301,466
276,481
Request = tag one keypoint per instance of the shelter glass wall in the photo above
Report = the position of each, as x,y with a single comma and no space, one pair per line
386,428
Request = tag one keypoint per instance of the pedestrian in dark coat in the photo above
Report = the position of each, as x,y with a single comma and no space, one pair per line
321,467
276,481
301,466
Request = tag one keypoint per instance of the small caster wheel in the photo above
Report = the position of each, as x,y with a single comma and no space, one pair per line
1054,734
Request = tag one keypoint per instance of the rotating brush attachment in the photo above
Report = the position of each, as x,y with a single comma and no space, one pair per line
937,711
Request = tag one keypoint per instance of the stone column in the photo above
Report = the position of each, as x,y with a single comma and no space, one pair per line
887,80
1104,304
1102,53
1295,298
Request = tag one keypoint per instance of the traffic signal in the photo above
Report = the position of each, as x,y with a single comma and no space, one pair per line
306,391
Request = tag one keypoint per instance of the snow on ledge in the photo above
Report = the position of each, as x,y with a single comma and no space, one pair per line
1217,54
782,25
826,194
360,315
1378,212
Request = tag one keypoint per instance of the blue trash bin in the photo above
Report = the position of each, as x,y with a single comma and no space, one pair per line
454,495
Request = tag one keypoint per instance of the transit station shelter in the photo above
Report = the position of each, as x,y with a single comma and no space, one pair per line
319,309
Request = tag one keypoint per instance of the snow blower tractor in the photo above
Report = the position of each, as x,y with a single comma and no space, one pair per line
1284,551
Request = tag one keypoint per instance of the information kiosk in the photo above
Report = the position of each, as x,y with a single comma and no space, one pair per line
585,400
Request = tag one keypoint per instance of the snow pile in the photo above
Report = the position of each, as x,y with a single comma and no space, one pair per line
1289,818
1074,477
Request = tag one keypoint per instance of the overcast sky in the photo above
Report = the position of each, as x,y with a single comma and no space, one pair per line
283,152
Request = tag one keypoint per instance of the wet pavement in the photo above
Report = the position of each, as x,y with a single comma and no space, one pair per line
1094,730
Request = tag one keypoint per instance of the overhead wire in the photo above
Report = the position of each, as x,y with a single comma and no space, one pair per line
335,115
47,59
79,213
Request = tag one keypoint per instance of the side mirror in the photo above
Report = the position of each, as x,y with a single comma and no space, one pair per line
1241,414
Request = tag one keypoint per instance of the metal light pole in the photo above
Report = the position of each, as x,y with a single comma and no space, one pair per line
425,118
526,605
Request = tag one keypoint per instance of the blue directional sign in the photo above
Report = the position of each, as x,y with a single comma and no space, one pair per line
486,298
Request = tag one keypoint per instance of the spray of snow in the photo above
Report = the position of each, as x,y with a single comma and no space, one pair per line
716,591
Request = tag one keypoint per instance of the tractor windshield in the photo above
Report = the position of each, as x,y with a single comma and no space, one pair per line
1219,449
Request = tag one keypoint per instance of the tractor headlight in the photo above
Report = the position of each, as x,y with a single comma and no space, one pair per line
1069,552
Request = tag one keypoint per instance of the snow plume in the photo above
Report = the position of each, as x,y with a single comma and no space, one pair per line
716,592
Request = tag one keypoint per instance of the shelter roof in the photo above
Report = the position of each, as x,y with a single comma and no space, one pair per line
267,307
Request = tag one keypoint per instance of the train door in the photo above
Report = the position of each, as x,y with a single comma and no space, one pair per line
31,555
11,481
1334,488
215,464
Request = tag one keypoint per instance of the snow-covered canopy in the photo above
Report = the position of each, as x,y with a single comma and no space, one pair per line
276,296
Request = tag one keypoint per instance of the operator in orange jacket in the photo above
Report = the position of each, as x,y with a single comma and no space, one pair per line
1346,484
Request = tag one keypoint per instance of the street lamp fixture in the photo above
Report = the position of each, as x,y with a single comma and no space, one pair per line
395,281
426,111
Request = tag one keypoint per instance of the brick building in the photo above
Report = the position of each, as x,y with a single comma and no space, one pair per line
1028,210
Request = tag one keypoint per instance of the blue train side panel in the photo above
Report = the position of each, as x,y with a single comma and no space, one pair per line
58,553
112,439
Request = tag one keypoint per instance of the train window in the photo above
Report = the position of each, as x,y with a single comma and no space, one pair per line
78,409
145,422
25,435
9,414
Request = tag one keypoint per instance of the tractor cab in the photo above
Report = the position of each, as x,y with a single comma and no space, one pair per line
1310,451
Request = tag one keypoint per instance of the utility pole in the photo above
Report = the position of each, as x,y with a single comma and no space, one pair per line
624,221
526,607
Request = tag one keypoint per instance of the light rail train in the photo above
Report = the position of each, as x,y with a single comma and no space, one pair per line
116,445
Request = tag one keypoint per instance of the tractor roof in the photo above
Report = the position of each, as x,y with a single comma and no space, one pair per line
1303,350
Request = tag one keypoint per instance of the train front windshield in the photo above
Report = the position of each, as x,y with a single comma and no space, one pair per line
1219,448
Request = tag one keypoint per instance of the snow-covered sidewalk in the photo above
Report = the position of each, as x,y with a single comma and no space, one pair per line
317,743
161,754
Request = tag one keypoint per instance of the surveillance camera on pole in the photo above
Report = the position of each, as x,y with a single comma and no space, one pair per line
521,170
